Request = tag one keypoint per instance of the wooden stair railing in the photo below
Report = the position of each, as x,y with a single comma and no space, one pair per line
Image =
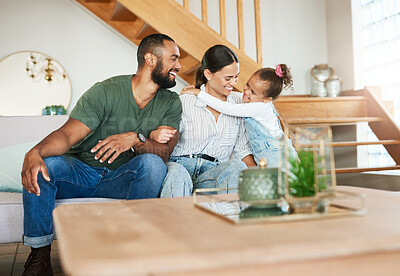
137,18
351,107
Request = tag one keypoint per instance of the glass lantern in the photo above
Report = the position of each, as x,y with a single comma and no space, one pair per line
309,176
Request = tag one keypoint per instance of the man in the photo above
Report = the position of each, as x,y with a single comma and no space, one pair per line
102,150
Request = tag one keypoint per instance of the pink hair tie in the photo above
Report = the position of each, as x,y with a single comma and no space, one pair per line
278,71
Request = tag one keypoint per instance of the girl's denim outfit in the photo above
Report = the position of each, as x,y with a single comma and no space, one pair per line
266,145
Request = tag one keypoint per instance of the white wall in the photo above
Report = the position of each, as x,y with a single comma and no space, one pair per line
340,40
294,33
88,49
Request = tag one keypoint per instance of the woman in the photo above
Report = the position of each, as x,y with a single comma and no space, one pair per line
208,138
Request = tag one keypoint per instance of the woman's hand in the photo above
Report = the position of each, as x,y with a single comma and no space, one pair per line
162,135
191,90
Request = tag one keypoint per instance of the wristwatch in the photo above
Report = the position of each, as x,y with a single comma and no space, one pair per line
141,137
142,140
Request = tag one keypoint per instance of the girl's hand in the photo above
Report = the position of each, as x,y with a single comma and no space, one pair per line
191,90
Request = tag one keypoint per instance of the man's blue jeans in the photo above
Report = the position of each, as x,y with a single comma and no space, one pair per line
141,177
186,174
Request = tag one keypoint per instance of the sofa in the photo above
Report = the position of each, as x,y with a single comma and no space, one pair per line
18,135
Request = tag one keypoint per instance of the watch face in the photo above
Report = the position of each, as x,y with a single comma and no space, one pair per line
141,138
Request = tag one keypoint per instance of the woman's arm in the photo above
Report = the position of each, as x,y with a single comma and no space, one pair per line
249,161
238,110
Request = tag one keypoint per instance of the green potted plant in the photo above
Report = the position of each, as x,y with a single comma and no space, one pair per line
306,182
303,176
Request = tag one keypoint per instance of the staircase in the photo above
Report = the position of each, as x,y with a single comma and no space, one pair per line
136,19
350,108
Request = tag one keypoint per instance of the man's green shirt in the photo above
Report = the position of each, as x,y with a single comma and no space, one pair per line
109,108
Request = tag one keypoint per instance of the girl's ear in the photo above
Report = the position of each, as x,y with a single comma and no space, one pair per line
207,73
267,100
150,59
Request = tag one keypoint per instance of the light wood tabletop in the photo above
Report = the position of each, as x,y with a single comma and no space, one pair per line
173,237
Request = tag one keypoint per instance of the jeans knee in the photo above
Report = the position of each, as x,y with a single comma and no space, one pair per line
52,162
177,173
56,165
236,165
176,169
178,182
152,163
230,171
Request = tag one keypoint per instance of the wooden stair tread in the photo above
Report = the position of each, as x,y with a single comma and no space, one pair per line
366,169
144,31
120,13
332,121
357,143
307,98
98,1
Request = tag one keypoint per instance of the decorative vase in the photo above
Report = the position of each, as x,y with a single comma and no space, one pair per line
319,74
333,86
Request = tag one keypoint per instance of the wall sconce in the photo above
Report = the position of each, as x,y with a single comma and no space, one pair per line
39,65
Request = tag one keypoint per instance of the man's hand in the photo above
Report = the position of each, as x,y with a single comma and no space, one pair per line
114,145
56,143
191,90
33,164
162,135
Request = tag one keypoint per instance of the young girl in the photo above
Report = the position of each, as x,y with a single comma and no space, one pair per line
261,119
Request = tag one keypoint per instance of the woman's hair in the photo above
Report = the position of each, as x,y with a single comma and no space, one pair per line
214,59
276,78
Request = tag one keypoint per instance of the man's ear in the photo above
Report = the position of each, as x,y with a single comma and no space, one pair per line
151,60
207,73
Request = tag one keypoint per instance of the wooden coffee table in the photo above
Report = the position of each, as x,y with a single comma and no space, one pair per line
173,237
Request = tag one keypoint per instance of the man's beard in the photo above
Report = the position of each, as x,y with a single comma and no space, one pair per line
163,81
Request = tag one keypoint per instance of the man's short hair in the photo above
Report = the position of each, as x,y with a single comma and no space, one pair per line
154,44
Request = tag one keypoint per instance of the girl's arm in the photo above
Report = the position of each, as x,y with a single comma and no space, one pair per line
238,110
191,90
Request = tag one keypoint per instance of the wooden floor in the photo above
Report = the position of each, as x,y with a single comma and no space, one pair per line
14,255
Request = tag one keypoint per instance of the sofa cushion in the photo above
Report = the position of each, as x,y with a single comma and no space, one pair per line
12,214
11,159
11,217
